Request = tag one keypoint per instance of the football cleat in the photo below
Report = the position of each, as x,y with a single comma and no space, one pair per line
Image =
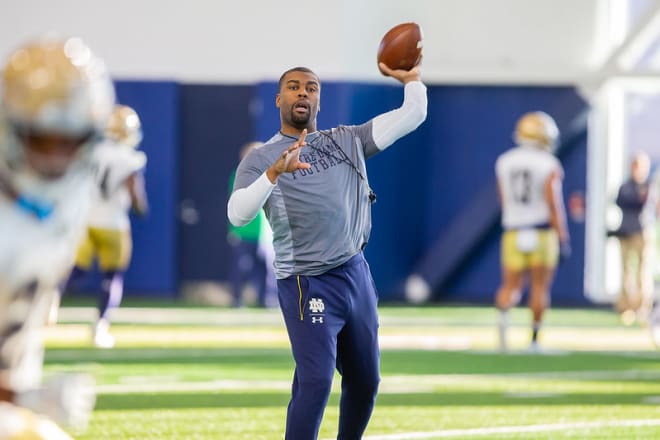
534,348
102,336
654,325
502,329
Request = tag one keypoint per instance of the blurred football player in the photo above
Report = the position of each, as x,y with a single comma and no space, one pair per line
529,182
56,99
108,238
252,253
637,199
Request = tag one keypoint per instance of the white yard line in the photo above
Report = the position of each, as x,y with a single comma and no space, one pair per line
217,385
389,385
515,429
223,316
577,375
177,316
147,384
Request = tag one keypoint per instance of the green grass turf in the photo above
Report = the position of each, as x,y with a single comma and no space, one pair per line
209,385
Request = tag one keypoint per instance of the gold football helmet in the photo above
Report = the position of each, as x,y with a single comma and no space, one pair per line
57,86
124,127
56,98
537,128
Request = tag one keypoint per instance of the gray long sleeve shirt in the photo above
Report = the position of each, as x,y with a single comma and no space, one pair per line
320,217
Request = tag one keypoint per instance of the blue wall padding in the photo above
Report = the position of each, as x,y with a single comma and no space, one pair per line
399,178
429,183
483,259
473,128
215,124
155,260
568,288
154,266
427,179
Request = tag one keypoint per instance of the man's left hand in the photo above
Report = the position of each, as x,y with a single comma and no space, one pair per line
405,76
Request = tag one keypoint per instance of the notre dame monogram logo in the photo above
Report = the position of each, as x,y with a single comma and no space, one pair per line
316,308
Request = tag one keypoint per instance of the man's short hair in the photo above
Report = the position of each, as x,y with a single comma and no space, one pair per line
296,69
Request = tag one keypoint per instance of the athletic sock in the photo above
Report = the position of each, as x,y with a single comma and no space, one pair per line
502,327
535,331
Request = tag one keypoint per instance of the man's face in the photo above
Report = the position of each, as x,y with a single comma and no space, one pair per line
50,155
299,99
641,167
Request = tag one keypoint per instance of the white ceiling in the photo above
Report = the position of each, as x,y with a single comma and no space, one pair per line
466,41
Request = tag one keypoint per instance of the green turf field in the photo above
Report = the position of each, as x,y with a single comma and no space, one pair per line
194,373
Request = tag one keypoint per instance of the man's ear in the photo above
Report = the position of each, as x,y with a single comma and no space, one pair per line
277,100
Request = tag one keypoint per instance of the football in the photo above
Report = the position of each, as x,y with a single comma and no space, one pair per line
401,47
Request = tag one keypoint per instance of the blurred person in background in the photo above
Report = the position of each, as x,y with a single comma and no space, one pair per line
313,187
108,239
56,100
638,200
529,183
252,253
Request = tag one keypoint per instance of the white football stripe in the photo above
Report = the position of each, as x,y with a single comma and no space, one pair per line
515,429
390,384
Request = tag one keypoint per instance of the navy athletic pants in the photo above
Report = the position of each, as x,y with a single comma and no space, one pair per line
332,322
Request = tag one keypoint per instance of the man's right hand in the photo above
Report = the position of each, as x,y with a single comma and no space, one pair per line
289,161
405,76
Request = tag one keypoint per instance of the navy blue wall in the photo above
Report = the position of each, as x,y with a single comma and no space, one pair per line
400,178
469,128
424,181
215,123
153,270
154,266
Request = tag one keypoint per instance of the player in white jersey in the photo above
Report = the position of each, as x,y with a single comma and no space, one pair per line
108,238
56,98
529,182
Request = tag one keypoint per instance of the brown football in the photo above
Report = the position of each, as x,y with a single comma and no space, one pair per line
401,47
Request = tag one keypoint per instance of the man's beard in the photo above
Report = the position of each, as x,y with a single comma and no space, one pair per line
300,121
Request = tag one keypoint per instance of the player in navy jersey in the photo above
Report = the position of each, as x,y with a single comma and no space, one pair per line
314,189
